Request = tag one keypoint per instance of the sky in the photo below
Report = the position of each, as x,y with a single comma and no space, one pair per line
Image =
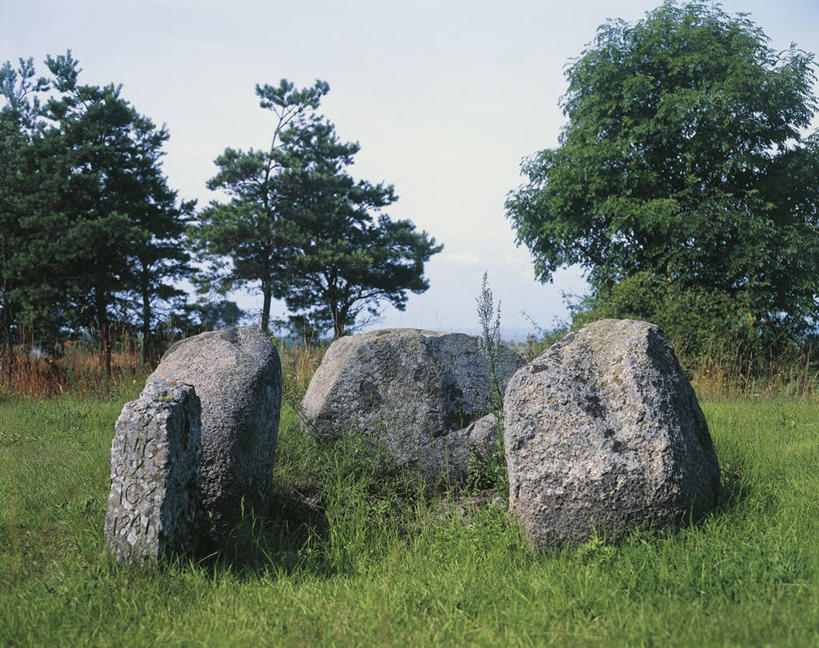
445,99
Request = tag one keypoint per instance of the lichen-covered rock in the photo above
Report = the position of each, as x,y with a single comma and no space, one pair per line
603,431
415,391
237,376
154,507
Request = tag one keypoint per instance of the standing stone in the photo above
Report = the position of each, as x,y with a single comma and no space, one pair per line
417,392
153,507
237,376
603,432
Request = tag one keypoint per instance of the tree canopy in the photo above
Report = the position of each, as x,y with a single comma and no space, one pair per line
93,241
300,228
90,229
684,157
244,239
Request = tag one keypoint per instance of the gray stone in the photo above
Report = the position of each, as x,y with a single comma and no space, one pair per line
237,376
454,450
603,432
415,391
154,507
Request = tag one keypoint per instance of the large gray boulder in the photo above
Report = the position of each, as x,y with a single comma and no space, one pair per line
237,376
154,508
417,392
603,432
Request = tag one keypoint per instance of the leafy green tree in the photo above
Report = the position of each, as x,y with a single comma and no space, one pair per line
303,228
44,262
683,157
699,323
9,237
94,134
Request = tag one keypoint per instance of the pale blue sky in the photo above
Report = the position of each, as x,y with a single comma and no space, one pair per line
444,97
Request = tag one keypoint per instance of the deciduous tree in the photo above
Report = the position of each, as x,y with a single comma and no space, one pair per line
684,157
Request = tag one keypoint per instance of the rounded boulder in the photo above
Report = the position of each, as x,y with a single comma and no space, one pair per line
603,433
237,375
417,392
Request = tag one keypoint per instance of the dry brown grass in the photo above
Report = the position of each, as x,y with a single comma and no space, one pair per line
792,378
79,373
298,366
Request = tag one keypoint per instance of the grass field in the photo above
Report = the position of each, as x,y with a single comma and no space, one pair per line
350,556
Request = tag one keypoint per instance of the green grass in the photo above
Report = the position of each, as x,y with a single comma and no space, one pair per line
351,556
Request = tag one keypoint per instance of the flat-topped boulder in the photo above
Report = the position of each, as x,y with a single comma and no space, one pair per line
415,391
603,433
237,375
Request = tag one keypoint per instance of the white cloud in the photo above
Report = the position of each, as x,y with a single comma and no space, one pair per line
460,258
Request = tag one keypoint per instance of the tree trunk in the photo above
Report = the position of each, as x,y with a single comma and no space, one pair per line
147,342
267,290
339,318
104,331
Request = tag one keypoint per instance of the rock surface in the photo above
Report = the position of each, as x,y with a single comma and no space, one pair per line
237,376
450,453
415,391
603,431
154,508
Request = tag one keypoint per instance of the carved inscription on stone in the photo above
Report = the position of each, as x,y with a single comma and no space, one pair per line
154,505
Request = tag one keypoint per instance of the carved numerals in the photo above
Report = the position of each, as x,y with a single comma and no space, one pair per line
132,493
124,524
